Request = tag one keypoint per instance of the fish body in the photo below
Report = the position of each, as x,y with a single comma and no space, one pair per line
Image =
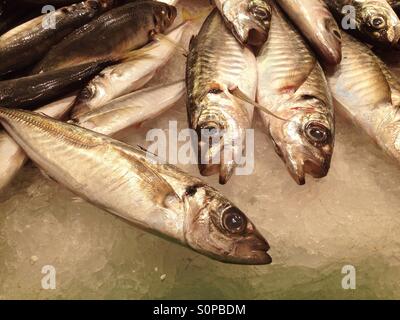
318,25
132,109
31,91
375,20
292,85
369,94
27,43
121,79
12,156
249,20
127,182
216,64
117,31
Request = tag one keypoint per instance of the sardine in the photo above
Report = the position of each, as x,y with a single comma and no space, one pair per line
124,78
12,156
27,43
216,64
374,20
116,31
293,86
128,182
366,91
249,20
318,25
132,109
31,91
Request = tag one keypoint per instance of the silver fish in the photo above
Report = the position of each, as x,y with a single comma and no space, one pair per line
369,94
216,64
249,20
12,157
128,182
132,109
292,85
127,77
318,25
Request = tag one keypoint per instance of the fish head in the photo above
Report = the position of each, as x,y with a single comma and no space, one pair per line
216,228
330,39
221,129
251,20
304,141
164,16
380,23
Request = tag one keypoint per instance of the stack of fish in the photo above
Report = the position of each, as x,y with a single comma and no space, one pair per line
288,60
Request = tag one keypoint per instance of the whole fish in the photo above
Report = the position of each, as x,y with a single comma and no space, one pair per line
27,43
318,25
374,20
249,20
124,78
217,63
31,91
369,94
292,85
132,109
116,31
127,182
111,119
12,156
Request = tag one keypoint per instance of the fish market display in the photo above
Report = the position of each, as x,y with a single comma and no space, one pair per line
31,91
292,85
104,171
249,20
27,43
216,64
374,20
119,30
123,78
317,24
367,92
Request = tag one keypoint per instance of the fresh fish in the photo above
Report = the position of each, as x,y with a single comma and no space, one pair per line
292,85
124,78
12,156
31,91
122,179
116,31
249,20
27,43
317,24
216,64
132,109
366,91
375,20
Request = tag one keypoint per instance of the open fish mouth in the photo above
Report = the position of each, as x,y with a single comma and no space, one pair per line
299,169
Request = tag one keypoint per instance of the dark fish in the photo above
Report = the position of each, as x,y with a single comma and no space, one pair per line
374,20
27,43
119,30
31,91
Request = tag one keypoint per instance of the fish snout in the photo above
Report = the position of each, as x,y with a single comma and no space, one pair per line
253,249
317,168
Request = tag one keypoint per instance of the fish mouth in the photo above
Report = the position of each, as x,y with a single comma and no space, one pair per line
225,171
252,251
299,169
254,36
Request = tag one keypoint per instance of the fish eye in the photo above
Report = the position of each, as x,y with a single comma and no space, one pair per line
259,12
378,22
316,133
210,130
234,221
